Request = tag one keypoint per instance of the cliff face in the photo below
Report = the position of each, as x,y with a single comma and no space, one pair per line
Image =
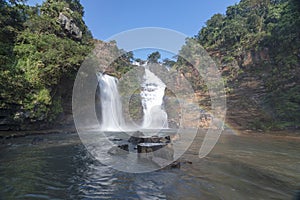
257,51
246,92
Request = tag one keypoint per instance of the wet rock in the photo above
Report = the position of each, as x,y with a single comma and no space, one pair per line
152,150
175,165
166,139
124,147
115,139
121,149
149,147
136,137
155,139
139,137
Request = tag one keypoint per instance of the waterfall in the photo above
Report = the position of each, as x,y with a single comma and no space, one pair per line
153,90
111,106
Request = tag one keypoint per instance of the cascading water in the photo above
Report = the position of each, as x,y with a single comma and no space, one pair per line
153,90
111,106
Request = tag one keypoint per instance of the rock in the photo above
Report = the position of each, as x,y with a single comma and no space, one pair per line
136,138
151,150
124,147
175,165
139,137
121,149
70,26
166,139
149,147
115,139
155,139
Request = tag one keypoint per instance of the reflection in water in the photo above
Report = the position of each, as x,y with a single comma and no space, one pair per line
239,168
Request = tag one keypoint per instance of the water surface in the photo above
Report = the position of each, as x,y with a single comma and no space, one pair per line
240,167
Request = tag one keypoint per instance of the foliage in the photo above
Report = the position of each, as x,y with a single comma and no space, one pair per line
39,54
154,57
255,27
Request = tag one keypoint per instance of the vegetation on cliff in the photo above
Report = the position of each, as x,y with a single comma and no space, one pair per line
257,39
41,47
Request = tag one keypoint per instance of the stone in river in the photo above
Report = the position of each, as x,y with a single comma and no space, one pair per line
136,137
155,139
119,150
115,139
151,150
139,137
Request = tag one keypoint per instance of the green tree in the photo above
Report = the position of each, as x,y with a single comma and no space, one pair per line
47,53
12,82
254,28
154,57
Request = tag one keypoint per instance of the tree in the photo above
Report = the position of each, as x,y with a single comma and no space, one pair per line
154,57
47,54
12,82
168,63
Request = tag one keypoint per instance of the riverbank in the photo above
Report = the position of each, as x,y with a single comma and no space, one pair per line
18,134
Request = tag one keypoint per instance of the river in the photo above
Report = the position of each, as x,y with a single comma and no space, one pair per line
58,166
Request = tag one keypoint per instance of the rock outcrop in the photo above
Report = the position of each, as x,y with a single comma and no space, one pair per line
69,25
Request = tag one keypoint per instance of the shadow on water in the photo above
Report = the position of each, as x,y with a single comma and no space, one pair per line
59,167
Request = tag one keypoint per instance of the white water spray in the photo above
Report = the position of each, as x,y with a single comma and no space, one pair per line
153,90
152,94
111,106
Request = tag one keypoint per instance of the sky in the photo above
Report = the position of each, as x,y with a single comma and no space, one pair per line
106,18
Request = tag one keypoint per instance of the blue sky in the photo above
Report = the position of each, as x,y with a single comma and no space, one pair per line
106,18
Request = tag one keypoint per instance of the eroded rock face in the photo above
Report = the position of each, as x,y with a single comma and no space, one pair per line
70,26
